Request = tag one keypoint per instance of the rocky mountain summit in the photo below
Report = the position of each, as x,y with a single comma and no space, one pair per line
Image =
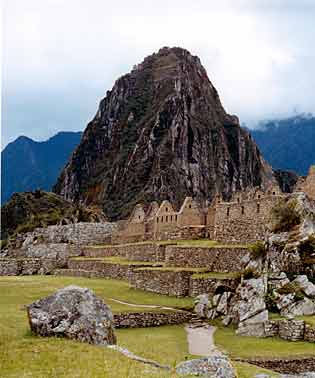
161,133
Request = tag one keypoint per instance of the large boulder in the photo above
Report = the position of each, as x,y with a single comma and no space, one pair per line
73,312
307,287
217,366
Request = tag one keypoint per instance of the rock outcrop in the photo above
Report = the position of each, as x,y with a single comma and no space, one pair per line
75,313
291,241
218,366
161,133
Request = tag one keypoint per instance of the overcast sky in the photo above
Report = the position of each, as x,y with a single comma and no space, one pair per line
60,56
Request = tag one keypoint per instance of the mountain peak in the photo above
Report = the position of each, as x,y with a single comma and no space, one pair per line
161,133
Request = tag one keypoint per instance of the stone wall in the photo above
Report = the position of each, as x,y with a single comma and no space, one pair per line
105,269
215,259
161,281
292,330
283,366
150,319
27,266
199,286
309,333
288,329
139,252
244,221
83,233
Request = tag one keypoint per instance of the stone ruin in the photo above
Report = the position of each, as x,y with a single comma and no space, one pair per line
241,220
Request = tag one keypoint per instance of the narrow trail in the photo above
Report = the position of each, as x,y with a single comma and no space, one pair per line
200,340
145,306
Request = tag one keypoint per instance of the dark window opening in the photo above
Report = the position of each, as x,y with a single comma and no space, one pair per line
258,207
166,218
228,212
162,220
243,210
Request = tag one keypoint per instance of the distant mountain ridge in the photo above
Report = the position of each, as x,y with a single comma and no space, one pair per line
288,144
27,165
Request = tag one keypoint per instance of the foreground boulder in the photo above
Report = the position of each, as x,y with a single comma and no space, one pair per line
73,312
217,366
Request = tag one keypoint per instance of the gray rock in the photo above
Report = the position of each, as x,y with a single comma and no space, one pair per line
223,304
208,367
226,320
202,305
73,312
252,299
251,329
305,285
277,280
284,301
304,307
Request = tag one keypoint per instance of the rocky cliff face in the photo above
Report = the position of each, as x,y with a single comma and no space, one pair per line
161,133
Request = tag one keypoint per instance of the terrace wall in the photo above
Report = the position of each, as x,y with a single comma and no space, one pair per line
161,281
150,319
215,259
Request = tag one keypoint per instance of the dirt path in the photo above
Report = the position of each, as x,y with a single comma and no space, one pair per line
200,340
145,306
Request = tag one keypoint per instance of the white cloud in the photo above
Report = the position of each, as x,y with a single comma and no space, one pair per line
62,56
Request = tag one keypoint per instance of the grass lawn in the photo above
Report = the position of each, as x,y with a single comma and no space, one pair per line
249,371
22,290
253,347
23,355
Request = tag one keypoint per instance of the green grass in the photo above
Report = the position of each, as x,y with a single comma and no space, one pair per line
215,275
23,290
175,269
203,243
249,371
253,347
25,355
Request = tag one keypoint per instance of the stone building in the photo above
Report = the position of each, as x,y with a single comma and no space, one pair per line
244,218
307,185
241,220
162,222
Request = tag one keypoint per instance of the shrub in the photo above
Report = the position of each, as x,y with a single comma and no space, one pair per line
247,274
291,288
271,303
284,216
307,249
257,250
3,244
